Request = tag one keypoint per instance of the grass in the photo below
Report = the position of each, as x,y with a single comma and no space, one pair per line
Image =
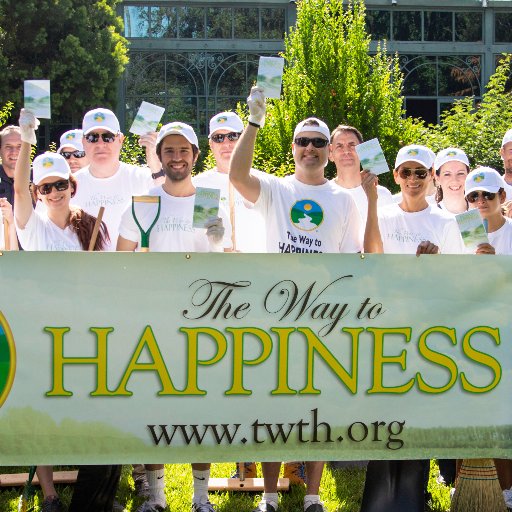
341,489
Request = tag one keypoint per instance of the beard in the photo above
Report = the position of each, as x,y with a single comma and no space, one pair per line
175,175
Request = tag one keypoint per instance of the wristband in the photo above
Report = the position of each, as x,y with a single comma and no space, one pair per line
158,174
256,125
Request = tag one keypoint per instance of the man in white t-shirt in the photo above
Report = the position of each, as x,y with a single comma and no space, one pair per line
412,226
178,149
304,213
506,156
107,181
247,223
342,151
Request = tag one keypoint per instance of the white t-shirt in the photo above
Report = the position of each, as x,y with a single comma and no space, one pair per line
41,234
501,239
249,223
173,231
431,199
114,193
308,218
508,191
401,232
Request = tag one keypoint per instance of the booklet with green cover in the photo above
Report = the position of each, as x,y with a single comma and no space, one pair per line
372,157
206,205
37,98
147,118
472,228
270,76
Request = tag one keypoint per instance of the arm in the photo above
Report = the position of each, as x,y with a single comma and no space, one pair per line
7,215
148,142
125,245
372,238
22,200
241,159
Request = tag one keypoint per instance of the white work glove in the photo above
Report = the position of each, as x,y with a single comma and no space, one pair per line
256,104
28,126
215,233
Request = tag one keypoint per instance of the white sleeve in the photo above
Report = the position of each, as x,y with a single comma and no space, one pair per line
351,239
128,228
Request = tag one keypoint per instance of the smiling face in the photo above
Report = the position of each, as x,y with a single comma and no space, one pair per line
309,158
55,200
412,186
451,178
177,157
9,151
506,155
488,208
343,151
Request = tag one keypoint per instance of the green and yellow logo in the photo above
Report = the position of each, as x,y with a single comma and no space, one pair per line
306,215
413,152
451,153
7,359
222,119
99,117
477,178
70,136
47,162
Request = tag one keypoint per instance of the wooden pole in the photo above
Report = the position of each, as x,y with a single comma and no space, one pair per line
96,229
232,215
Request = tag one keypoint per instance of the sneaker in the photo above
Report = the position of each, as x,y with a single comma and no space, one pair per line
147,506
52,504
203,507
249,470
263,506
295,472
140,483
507,496
316,507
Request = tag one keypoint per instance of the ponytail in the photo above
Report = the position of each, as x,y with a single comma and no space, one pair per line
81,223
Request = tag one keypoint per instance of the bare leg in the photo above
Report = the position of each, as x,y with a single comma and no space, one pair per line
270,475
45,476
314,470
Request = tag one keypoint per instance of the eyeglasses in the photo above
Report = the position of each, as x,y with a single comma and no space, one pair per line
420,173
473,196
60,186
317,142
68,154
95,137
220,137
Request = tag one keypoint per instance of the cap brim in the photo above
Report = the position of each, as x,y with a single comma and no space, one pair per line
89,130
52,175
493,190
412,159
76,148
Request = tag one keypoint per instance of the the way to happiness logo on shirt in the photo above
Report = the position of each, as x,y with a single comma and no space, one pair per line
306,215
7,359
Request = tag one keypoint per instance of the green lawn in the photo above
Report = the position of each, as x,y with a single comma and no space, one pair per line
341,490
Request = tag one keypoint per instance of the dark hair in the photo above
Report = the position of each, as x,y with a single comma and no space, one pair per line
195,149
346,128
81,222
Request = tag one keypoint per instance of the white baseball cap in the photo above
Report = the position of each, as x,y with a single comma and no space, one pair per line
71,139
485,179
450,155
226,121
415,153
177,128
321,127
49,164
507,137
100,119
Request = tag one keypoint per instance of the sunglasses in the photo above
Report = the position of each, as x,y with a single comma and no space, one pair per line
317,142
473,196
95,137
60,186
406,173
68,154
220,137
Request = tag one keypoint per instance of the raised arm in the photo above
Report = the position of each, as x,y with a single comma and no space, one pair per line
22,199
242,156
372,238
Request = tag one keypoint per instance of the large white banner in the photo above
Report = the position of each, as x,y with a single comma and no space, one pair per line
119,358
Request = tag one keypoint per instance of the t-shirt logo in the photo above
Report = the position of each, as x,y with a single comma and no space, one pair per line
477,178
306,215
7,359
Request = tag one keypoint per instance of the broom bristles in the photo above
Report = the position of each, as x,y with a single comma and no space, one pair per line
478,488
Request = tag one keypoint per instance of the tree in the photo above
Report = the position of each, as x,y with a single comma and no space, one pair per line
330,74
77,44
477,128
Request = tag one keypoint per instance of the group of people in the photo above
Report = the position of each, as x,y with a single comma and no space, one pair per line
53,203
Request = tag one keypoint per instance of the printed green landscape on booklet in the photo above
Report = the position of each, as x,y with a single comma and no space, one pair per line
37,98
206,205
147,118
472,228
201,357
372,157
270,75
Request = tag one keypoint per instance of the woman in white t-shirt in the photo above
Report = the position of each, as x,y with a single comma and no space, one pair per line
485,190
57,227
452,167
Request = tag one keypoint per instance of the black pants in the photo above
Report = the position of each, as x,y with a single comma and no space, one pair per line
95,489
395,486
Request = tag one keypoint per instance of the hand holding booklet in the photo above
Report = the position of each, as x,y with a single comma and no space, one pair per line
472,229
206,205
372,157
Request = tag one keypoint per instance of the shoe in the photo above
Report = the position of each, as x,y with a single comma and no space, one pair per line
295,472
507,496
147,506
263,506
140,483
316,507
52,504
249,470
203,507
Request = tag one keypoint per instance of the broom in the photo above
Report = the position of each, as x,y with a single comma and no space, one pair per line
26,501
478,488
